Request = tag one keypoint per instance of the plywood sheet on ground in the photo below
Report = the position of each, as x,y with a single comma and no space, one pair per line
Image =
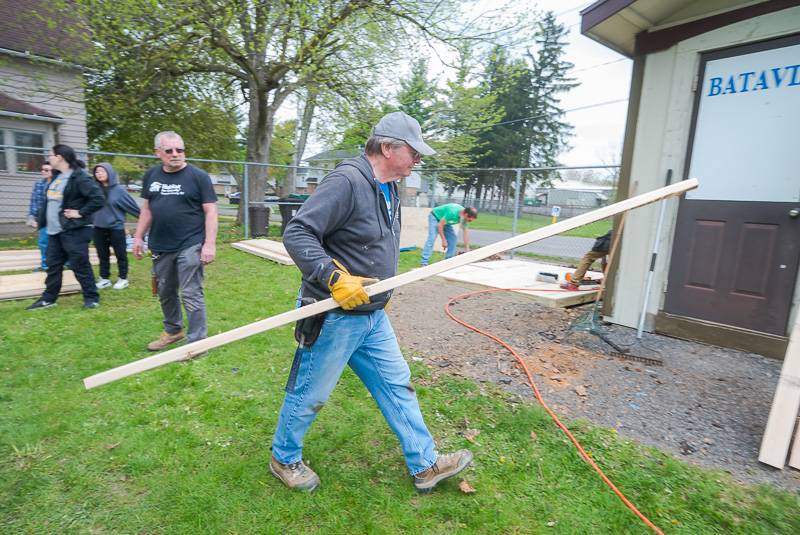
26,259
269,249
29,285
522,274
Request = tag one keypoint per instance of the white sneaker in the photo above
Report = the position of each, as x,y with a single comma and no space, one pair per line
103,283
121,284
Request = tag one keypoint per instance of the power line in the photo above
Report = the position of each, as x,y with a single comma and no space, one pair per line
598,65
579,108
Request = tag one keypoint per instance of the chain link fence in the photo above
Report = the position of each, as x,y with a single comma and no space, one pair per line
509,201
514,201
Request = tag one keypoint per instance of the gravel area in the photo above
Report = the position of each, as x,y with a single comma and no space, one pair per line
706,405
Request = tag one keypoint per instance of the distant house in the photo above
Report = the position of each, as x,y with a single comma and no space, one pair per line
41,99
224,184
574,194
324,161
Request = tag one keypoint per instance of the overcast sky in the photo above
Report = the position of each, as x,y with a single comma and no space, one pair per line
603,74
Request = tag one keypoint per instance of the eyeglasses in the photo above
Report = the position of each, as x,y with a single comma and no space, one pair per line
416,156
178,151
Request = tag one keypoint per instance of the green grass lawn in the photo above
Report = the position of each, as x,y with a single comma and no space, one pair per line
528,222
184,448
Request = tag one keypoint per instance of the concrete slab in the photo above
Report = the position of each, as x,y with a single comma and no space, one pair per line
521,275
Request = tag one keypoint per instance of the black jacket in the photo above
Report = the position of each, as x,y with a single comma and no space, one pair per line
81,193
346,218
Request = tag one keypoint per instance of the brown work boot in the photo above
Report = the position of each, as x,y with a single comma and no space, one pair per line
164,340
296,475
570,286
446,466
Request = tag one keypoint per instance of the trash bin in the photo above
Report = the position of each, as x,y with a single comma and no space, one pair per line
289,207
259,221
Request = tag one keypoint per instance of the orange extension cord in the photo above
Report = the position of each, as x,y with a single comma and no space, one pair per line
561,426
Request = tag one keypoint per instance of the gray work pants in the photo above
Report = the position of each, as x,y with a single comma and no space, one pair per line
182,270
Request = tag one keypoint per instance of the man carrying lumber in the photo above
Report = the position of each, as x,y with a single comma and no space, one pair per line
440,223
346,235
180,212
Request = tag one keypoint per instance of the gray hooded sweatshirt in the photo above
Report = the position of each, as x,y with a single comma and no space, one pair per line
118,202
347,219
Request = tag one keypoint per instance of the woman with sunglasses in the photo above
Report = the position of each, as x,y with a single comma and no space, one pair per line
72,198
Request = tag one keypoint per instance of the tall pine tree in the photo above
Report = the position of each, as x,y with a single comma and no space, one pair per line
417,96
549,80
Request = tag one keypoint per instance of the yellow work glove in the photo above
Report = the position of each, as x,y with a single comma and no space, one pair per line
347,289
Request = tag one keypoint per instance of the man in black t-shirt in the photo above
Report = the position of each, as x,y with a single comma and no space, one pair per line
180,211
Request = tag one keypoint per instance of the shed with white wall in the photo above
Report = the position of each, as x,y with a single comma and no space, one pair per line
727,269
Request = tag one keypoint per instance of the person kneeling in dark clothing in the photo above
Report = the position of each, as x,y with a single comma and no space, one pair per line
66,210
599,251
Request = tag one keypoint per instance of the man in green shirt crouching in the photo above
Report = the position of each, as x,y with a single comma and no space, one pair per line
440,223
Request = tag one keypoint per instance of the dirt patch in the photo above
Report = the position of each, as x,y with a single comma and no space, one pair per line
705,405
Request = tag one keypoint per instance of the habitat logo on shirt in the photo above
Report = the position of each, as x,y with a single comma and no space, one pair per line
166,189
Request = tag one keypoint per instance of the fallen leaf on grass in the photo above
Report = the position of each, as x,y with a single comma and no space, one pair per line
534,437
551,523
465,487
112,446
470,434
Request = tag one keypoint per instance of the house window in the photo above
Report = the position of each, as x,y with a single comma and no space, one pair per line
3,164
22,151
29,159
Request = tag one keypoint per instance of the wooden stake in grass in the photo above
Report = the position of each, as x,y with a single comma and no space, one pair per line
189,350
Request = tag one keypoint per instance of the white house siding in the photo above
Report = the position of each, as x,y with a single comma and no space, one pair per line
55,89
662,134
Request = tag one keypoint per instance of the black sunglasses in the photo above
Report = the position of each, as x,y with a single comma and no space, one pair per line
170,151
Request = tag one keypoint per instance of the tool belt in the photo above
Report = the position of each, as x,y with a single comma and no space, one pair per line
306,330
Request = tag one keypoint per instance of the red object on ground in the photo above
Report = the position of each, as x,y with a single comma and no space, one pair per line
538,395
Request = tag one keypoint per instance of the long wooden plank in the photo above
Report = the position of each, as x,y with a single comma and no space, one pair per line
189,350
783,413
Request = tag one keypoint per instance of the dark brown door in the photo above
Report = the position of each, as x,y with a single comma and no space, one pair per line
737,238
735,263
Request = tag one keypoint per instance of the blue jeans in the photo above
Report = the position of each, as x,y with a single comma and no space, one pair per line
367,343
433,232
43,246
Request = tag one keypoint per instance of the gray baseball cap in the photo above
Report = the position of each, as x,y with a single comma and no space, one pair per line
399,125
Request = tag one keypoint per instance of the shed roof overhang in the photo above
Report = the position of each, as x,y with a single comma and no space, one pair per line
639,27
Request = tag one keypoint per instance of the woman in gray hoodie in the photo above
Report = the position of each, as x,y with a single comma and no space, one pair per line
109,226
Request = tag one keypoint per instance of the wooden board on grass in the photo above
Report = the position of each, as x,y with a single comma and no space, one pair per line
27,259
269,249
29,285
783,413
